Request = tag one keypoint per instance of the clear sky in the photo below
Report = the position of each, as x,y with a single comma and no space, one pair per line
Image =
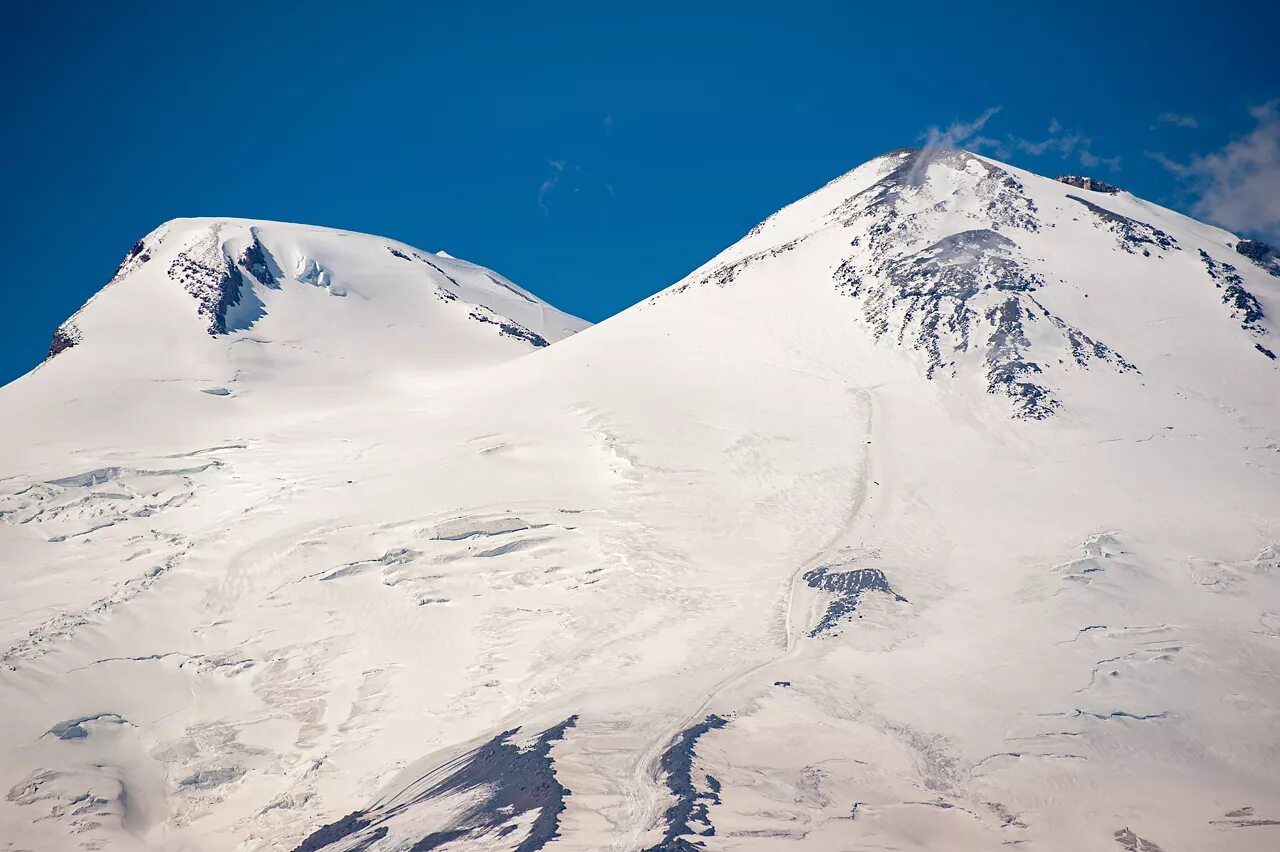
593,155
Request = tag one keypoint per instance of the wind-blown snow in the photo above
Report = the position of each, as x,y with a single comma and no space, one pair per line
940,512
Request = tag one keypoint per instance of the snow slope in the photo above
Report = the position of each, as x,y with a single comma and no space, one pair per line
940,512
272,316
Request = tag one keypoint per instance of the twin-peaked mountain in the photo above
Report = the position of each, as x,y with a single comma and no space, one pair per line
941,511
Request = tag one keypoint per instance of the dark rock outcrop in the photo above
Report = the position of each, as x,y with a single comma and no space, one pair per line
848,587
494,784
1244,306
214,282
929,299
1132,235
255,260
64,337
1133,843
971,290
218,283
692,805
509,328
1263,254
136,256
1081,182
333,832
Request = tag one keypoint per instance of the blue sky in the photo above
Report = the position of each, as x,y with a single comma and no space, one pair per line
592,155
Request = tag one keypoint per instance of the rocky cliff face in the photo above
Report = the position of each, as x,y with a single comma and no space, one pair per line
1264,255
972,290
64,337
1088,183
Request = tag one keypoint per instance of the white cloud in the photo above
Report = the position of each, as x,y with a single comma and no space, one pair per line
1174,119
1061,142
958,133
549,185
1239,185
1090,160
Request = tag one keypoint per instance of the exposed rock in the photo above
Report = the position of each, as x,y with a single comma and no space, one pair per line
64,337
1244,305
218,283
138,253
1133,843
1001,196
333,832
973,290
1132,235
505,286
494,784
692,805
508,328
205,271
848,587
254,260
1263,254
969,287
1081,182
725,274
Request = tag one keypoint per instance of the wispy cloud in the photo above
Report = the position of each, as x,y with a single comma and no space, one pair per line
582,173
958,134
1175,119
548,186
1065,144
1238,186
1090,160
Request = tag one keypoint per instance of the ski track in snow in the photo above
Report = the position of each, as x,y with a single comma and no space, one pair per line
647,775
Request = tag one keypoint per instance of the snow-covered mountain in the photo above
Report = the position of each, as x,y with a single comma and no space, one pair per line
942,511
266,312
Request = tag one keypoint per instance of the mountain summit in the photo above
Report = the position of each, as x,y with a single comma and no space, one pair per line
973,267
942,511
202,288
